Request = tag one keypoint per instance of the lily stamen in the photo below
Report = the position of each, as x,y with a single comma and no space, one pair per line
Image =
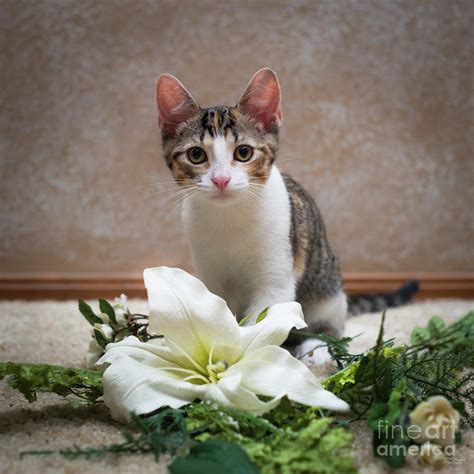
196,376
179,369
198,367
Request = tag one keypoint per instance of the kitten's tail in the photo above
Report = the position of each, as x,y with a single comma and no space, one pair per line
373,302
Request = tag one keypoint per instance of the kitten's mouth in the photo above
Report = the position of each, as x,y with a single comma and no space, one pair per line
226,195
223,196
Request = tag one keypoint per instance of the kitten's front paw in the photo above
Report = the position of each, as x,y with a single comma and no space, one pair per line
313,352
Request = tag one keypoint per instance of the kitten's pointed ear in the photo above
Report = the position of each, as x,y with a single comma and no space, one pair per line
175,104
261,99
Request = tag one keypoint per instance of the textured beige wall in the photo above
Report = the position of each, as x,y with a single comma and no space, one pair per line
378,124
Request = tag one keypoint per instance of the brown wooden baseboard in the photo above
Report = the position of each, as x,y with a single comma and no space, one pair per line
60,286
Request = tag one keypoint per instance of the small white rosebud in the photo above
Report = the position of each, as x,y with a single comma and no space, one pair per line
437,419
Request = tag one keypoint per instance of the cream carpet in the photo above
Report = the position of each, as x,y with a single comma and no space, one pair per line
55,333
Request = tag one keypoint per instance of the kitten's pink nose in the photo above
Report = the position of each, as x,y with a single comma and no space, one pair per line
221,181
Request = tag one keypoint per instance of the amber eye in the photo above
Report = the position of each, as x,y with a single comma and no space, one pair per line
243,153
197,155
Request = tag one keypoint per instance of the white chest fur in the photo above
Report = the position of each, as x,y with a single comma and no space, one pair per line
242,251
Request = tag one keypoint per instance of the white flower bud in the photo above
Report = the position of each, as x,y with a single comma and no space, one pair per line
105,330
105,318
121,317
121,312
93,354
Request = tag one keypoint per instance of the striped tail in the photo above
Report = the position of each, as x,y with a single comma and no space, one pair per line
373,302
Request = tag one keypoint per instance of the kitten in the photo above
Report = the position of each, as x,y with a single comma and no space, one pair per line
256,236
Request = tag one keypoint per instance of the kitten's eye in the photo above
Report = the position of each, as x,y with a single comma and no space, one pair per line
243,153
197,155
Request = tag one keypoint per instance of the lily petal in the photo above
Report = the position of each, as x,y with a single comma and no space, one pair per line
274,328
189,316
144,352
150,353
230,392
274,372
130,386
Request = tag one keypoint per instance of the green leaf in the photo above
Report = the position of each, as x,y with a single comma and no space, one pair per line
214,457
107,308
390,411
434,329
436,325
32,378
420,335
101,340
456,337
262,315
337,381
87,312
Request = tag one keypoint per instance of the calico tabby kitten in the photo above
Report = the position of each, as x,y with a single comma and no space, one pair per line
256,236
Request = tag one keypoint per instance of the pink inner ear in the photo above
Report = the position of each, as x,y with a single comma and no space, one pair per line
175,103
261,99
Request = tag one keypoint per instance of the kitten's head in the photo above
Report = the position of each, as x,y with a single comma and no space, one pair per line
224,152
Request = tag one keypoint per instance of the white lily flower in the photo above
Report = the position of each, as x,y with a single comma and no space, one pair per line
207,355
